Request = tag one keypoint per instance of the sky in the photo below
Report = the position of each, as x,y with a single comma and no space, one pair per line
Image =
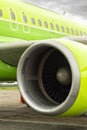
77,8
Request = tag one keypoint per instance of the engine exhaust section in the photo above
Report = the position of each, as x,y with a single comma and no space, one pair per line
52,77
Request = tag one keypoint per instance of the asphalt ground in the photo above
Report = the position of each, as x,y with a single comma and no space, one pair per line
17,116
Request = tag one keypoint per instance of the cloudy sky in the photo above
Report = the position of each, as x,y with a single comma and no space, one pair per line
73,7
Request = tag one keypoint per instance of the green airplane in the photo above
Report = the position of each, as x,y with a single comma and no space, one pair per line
46,53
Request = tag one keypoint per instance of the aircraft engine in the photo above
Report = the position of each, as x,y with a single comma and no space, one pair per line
52,77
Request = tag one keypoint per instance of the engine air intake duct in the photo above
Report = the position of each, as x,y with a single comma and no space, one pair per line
52,77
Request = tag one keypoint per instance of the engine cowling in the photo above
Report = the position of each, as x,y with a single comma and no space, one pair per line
52,77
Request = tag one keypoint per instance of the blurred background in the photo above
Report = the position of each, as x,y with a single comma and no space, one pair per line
76,8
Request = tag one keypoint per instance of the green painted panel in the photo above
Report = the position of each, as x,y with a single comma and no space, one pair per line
7,72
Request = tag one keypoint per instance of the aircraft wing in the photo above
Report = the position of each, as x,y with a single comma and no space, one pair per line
81,39
12,49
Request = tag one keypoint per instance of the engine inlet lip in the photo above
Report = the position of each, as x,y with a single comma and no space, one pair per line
56,109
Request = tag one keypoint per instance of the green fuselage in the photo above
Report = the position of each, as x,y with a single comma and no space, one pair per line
21,21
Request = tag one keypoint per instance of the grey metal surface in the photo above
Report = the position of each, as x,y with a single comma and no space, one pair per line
81,39
10,53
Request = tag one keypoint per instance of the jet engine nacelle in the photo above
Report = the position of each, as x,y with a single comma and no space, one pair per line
52,77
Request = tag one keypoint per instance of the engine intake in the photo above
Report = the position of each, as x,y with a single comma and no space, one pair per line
55,76
49,77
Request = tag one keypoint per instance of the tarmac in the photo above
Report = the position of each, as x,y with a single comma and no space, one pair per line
17,116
